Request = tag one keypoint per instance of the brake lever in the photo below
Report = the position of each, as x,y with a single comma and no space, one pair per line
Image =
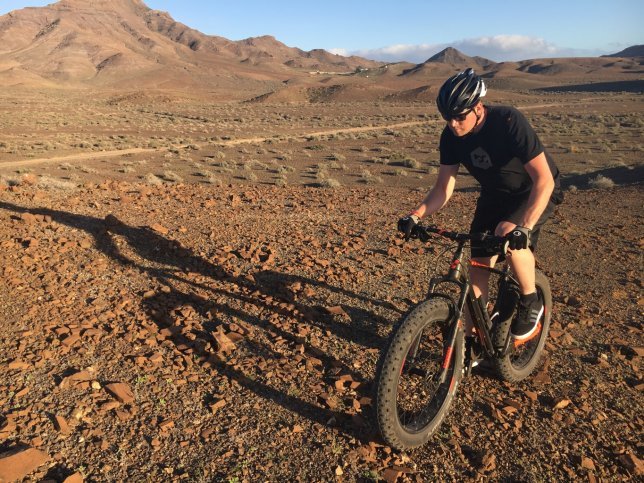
422,234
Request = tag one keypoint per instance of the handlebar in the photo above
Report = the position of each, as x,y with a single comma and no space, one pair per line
491,242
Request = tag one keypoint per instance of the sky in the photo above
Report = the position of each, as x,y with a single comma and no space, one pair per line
414,30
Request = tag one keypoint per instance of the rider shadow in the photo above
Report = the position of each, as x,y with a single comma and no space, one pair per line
201,344
171,263
357,325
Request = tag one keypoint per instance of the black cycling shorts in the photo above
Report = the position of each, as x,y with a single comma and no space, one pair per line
492,210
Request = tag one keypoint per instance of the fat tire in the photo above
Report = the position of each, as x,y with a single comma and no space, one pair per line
515,366
434,314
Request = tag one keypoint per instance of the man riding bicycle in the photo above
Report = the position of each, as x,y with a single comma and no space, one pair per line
519,186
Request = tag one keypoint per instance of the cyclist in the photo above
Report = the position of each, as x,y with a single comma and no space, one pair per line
519,186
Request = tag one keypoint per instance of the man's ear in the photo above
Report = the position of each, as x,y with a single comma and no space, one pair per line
479,108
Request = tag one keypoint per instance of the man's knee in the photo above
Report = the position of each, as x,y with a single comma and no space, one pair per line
504,228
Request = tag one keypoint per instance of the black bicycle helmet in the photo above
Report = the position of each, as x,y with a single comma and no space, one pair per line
460,93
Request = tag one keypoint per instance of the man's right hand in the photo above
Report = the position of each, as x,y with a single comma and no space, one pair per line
407,224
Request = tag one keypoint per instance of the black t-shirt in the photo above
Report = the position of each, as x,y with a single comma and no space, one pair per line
496,155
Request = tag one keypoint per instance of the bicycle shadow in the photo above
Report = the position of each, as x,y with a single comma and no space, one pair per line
218,295
363,326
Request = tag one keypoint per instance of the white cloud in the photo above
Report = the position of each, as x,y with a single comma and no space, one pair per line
508,47
401,52
343,52
498,48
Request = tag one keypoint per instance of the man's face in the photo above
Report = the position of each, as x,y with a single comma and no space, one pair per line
463,123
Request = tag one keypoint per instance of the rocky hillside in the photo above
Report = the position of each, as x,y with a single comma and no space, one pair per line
98,43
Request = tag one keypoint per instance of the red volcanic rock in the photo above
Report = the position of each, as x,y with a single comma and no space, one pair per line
16,465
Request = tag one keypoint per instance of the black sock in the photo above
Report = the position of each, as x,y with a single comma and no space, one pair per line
527,299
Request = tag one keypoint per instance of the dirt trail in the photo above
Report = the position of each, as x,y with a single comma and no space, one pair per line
232,142
75,157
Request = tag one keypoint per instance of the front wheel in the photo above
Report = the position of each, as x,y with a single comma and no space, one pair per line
522,357
418,375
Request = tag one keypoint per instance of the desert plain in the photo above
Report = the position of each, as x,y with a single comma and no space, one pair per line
197,283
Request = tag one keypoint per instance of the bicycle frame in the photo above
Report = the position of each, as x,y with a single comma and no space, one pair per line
459,275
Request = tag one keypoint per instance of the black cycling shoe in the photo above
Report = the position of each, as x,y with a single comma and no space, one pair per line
527,319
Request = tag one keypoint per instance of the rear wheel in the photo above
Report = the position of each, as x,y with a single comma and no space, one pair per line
522,357
414,392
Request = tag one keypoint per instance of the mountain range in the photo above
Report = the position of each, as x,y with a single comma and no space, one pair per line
123,44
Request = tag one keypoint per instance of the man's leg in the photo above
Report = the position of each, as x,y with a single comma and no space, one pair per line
530,308
480,279
522,262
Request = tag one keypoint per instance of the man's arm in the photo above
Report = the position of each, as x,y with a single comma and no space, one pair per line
542,186
440,193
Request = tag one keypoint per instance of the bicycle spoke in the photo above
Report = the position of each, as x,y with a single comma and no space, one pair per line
420,391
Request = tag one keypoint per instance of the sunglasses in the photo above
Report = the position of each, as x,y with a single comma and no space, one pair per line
458,118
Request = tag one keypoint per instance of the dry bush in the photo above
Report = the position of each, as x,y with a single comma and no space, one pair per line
283,169
369,178
10,181
336,157
213,180
601,182
203,173
153,179
172,176
411,163
330,183
221,164
48,182
249,176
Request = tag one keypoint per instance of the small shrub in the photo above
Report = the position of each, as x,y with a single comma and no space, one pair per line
330,183
204,173
47,182
172,176
369,178
336,157
153,179
410,163
285,169
212,179
11,181
601,182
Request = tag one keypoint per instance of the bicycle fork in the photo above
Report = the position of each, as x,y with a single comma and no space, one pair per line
448,350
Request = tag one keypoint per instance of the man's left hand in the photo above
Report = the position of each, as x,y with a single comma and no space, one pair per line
519,238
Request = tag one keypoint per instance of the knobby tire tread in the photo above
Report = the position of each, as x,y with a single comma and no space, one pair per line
505,366
432,311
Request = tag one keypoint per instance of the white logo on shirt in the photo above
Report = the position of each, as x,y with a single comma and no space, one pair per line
481,159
